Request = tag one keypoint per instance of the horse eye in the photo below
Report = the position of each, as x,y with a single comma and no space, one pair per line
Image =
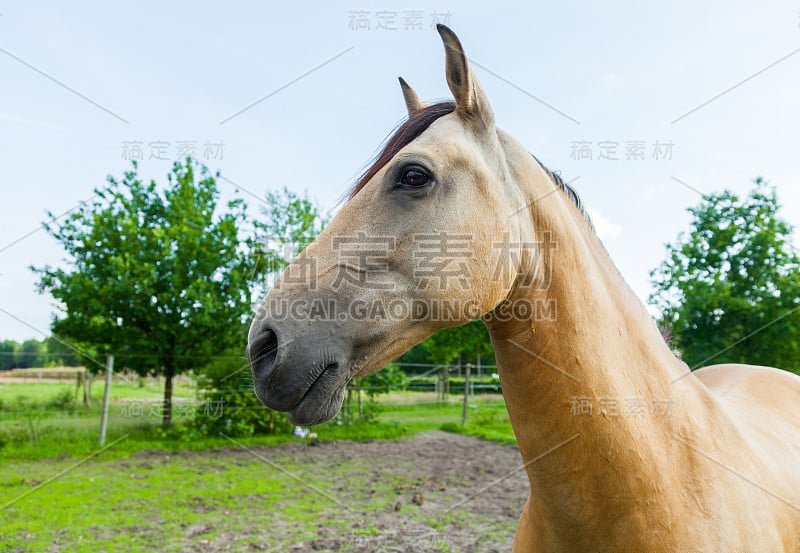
414,178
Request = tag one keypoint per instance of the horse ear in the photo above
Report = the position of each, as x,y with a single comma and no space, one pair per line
471,101
413,101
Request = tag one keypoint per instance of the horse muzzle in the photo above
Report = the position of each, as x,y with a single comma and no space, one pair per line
301,373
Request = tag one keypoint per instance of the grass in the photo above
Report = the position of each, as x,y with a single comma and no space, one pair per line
147,492
488,421
41,391
153,502
500,433
176,501
39,421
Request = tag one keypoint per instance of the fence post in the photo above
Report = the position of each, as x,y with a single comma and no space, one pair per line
466,395
443,391
87,395
78,377
106,395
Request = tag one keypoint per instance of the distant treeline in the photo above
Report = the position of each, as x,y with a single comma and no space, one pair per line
35,353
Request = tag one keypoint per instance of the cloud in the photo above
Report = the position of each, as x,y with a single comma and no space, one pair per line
605,228
29,121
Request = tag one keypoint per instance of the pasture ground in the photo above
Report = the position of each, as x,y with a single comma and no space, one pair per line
382,495
391,485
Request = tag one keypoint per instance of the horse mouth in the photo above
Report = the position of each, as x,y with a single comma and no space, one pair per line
322,400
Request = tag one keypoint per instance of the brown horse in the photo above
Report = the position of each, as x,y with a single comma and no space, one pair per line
624,447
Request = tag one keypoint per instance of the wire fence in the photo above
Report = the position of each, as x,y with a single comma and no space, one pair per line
436,394
420,377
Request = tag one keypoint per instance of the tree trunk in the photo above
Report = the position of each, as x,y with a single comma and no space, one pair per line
169,373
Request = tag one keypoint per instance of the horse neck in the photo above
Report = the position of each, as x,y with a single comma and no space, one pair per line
592,381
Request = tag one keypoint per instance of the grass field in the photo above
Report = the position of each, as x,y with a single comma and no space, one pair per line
46,391
413,494
156,491
39,421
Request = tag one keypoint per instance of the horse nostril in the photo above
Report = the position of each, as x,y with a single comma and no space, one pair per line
262,351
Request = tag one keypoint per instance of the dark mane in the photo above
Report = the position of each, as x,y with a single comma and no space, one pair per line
568,191
406,133
418,123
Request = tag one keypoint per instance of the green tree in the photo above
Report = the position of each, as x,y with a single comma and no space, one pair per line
292,223
292,219
8,349
30,353
160,278
16,355
729,290
388,379
469,341
59,354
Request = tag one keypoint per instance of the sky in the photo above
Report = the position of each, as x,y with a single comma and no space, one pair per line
302,95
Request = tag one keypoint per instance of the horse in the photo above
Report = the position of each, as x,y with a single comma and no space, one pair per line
625,448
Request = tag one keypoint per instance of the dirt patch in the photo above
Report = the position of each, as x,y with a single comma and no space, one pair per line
433,492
